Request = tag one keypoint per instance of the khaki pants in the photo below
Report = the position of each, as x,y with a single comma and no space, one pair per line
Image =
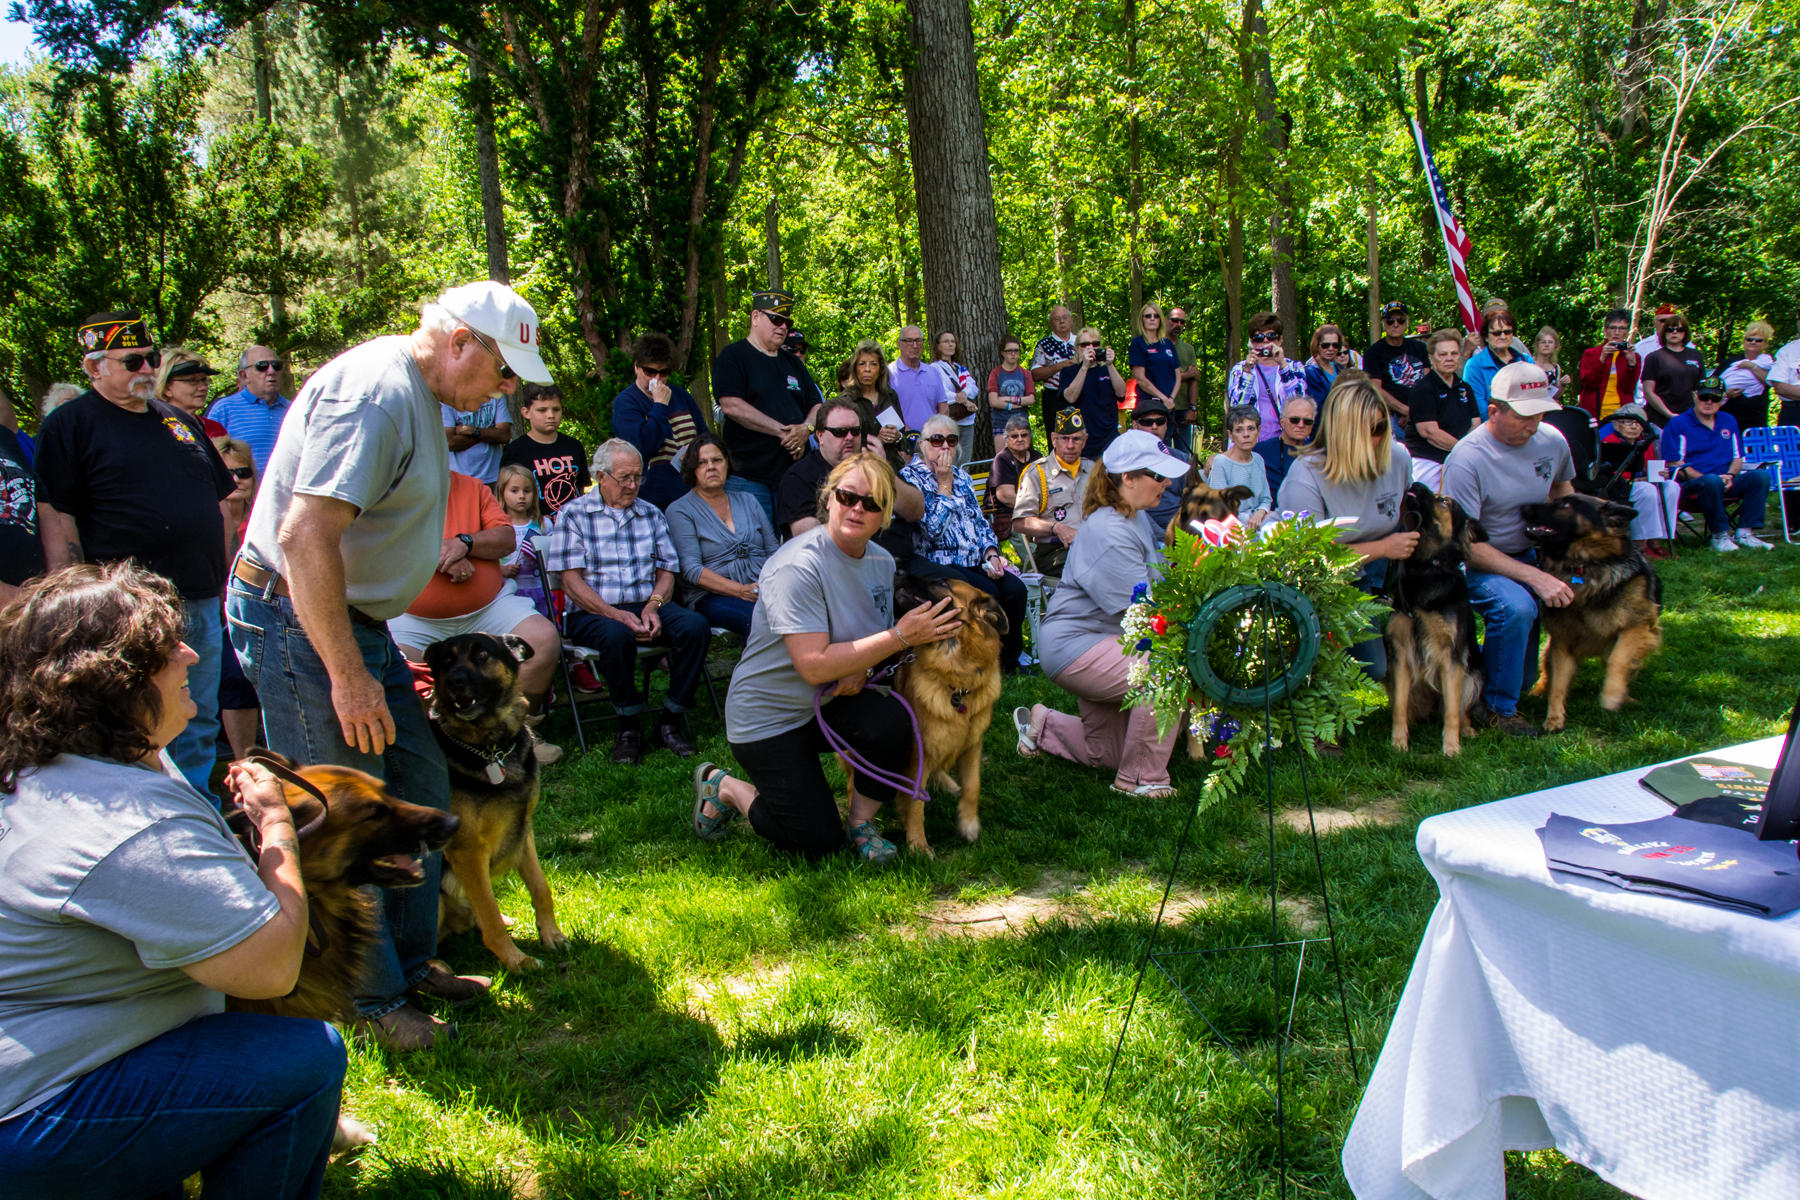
1105,735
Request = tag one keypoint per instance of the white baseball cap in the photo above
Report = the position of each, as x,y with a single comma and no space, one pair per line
501,314
1140,450
1524,388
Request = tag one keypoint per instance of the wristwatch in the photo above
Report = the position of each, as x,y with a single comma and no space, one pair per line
466,540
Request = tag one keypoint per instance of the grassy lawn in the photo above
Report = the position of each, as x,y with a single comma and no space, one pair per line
729,1023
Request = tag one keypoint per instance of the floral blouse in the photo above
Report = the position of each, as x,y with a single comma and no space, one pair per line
953,531
1266,387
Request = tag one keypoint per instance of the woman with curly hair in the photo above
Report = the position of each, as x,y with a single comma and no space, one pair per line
128,912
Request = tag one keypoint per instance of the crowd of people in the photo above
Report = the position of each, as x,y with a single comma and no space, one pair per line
180,569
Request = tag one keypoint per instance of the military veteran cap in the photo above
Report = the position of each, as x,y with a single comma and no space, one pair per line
1712,386
1068,420
773,300
121,330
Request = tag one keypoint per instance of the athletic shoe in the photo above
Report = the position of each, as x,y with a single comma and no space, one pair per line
1723,544
547,753
1511,724
584,679
1750,541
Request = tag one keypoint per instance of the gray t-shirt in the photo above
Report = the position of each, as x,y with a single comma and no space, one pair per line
112,878
808,586
1110,556
1375,503
365,429
1492,480
1253,475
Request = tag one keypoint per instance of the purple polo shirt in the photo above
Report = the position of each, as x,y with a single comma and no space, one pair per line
920,389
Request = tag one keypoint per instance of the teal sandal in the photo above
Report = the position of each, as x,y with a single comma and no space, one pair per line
875,850
706,791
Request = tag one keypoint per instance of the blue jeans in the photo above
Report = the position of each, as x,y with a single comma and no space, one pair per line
1751,486
726,612
249,1100
195,749
686,633
764,493
1508,611
301,723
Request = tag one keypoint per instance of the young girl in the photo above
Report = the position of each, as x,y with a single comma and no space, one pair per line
1241,466
516,489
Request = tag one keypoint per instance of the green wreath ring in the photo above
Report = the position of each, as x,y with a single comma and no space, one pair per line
1287,602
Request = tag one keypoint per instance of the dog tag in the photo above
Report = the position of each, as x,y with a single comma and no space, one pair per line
496,773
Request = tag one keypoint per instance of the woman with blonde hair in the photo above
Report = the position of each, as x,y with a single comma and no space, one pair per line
1546,351
824,618
1355,469
1746,378
1152,358
184,379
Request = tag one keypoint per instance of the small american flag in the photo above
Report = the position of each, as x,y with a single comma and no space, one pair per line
1456,242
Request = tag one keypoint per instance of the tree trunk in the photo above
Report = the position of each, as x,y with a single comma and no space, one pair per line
1135,198
690,278
959,241
487,160
1373,237
1255,61
263,68
772,235
1234,253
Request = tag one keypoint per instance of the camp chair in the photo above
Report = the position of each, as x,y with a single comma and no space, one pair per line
1778,448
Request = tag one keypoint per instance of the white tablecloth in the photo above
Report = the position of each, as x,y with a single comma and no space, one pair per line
1654,1040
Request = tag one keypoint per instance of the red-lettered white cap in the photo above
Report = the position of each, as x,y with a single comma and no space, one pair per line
501,314
1524,388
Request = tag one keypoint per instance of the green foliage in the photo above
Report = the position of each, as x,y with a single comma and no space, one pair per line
1248,647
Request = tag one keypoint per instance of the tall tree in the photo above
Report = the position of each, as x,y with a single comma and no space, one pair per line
487,158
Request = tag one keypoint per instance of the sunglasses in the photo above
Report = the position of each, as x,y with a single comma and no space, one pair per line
133,363
842,431
1331,345
1303,422
1709,398
506,372
1178,320
266,364
1750,337
779,321
242,472
1500,333
1399,320
868,504
944,439
1153,420
1087,345
1675,328
1379,429
1257,338
657,372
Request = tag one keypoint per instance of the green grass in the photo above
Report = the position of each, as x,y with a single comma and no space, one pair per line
730,1023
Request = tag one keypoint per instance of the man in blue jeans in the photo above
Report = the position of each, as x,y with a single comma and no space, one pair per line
1702,447
1507,462
346,532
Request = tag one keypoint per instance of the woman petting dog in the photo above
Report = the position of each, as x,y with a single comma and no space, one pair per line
825,619
128,911
1116,548
1355,469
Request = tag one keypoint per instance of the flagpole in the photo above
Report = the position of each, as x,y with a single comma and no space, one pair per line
1457,247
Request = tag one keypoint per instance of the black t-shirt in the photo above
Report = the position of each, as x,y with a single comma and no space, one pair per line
798,495
1098,406
21,550
1452,405
560,467
1399,368
140,485
1675,372
776,385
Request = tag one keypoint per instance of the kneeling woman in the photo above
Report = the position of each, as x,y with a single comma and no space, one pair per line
825,617
1116,548
127,911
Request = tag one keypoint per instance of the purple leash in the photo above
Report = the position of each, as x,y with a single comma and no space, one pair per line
915,788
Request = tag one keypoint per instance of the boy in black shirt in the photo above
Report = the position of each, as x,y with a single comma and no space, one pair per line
556,460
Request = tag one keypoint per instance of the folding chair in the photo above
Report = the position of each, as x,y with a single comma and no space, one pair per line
1778,448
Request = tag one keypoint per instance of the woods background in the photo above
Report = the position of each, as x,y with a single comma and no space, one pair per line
304,174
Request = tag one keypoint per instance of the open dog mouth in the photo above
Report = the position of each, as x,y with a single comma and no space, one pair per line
465,706
1539,531
401,870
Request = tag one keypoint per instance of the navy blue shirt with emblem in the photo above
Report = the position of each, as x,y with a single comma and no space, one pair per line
21,550
140,485
776,385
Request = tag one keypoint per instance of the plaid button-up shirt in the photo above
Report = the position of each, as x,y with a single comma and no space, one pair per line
617,550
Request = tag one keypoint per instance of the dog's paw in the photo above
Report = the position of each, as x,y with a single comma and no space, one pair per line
518,960
1555,724
1452,749
1541,686
1402,742
553,938
947,784
1613,703
921,847
970,829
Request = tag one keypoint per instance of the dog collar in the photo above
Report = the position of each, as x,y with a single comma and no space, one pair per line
496,773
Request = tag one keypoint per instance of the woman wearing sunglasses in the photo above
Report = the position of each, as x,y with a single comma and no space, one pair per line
1330,355
1265,379
824,620
954,541
1355,469
1499,349
1747,378
1671,371
184,380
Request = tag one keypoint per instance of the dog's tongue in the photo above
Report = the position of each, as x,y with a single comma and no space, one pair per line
405,864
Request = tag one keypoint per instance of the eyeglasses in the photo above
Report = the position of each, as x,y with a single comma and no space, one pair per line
918,341
266,364
657,372
779,321
133,363
1379,429
506,372
1331,345
242,472
1257,338
843,431
944,439
1303,422
851,500
629,481
1153,420
1399,320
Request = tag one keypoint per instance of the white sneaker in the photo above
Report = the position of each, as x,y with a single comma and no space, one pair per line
1750,541
1723,544
1022,723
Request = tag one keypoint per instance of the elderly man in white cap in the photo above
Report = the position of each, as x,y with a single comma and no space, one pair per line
1512,459
346,532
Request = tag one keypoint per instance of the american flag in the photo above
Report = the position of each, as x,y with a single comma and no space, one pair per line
1456,242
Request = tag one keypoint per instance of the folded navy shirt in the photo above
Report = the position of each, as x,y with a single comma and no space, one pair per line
1683,859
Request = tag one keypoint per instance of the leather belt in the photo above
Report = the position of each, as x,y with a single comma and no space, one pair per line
259,576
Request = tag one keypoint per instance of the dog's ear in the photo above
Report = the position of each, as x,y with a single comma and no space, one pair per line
1477,531
521,649
1618,515
1235,495
994,615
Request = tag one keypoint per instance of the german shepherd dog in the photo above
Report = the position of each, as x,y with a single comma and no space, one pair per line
478,714
1202,503
1433,661
366,837
952,686
1617,610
